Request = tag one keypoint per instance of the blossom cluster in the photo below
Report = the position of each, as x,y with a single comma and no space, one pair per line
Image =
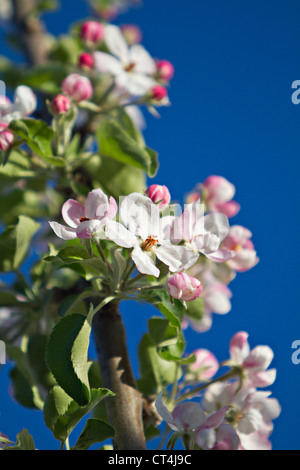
114,59
201,250
231,413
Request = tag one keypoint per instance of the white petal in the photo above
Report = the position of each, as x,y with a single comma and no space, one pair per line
216,224
24,100
176,257
144,262
120,235
116,43
142,60
63,232
136,84
163,410
86,228
140,215
107,64
96,204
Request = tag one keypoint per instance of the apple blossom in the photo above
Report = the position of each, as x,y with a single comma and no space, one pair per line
251,412
216,298
83,221
184,287
143,232
238,240
203,233
159,195
226,438
186,416
92,32
24,103
254,363
86,61
60,104
77,87
6,137
204,368
217,193
165,70
132,67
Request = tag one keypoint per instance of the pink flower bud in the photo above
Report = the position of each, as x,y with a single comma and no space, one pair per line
86,60
92,32
218,194
184,287
77,87
165,70
132,34
159,194
6,137
158,93
61,104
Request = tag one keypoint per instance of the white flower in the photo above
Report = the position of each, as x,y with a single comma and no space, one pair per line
143,231
132,67
24,103
204,233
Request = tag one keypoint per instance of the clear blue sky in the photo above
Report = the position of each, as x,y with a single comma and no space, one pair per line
231,115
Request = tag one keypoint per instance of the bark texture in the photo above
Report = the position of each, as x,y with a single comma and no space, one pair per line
125,410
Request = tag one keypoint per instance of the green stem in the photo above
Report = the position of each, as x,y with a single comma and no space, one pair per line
233,373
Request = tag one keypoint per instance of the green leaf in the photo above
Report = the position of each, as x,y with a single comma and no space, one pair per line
116,143
25,230
62,414
195,309
167,355
67,355
155,372
154,165
38,136
78,259
173,310
95,431
161,332
24,441
115,177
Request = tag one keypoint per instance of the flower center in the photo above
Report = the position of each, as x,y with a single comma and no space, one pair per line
84,219
149,243
130,67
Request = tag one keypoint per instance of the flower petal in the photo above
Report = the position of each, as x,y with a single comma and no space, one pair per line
72,211
85,229
107,64
176,257
96,204
24,100
120,235
116,43
63,232
144,262
140,215
142,59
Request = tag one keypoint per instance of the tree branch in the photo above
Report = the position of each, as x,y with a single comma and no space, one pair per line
32,32
126,408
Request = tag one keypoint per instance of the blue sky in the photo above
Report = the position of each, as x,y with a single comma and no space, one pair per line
231,115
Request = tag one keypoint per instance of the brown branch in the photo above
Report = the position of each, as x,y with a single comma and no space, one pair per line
32,32
125,410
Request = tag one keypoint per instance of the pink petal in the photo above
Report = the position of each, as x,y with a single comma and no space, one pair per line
72,211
